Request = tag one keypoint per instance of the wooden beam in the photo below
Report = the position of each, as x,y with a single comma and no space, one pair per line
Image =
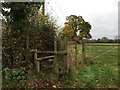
50,52
43,58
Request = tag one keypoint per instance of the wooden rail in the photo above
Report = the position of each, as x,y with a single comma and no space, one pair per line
60,49
44,58
38,61
49,52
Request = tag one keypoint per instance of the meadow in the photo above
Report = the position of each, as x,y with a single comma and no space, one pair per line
103,53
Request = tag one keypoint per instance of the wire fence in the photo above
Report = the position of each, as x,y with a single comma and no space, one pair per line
103,53
99,53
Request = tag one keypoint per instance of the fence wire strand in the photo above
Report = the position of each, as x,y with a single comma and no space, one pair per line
103,53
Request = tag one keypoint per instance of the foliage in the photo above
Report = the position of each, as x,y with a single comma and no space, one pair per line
104,39
99,76
68,32
25,29
117,37
26,9
43,33
18,18
14,78
94,76
76,28
47,79
75,24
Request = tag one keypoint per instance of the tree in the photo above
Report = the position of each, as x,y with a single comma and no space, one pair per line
22,23
76,24
84,34
68,32
73,22
42,34
117,38
104,39
18,22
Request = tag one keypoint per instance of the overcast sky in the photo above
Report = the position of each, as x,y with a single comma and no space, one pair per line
102,14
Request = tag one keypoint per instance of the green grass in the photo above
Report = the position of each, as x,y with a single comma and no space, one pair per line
98,76
103,73
106,54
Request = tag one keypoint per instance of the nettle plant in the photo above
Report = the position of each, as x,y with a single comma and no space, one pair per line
14,77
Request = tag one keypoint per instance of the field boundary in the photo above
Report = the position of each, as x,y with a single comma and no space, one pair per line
102,44
103,53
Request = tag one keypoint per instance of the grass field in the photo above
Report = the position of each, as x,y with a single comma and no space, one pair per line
103,72
101,53
107,54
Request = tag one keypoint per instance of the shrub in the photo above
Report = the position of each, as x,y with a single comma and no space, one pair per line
14,77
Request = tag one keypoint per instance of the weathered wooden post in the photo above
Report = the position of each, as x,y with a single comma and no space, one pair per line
62,56
37,64
65,48
83,51
71,59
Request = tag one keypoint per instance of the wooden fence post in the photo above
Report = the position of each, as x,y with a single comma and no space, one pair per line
62,58
37,64
83,52
65,60
66,49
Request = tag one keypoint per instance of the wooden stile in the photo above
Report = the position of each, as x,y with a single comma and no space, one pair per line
59,56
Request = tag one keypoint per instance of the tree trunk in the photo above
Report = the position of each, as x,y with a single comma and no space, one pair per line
83,51
76,54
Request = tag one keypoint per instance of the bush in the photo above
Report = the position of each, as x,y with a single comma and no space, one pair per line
14,77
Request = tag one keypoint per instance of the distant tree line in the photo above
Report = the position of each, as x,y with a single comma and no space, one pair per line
103,40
